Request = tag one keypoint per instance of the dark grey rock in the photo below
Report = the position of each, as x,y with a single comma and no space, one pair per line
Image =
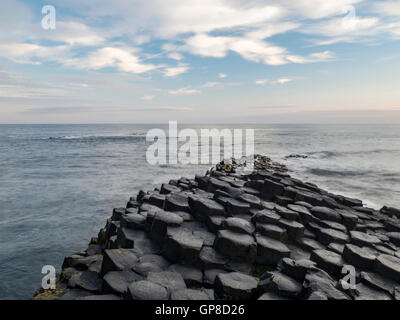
310,244
363,292
235,207
210,275
236,245
327,236
318,281
232,191
182,246
390,211
363,239
203,207
271,189
127,237
238,225
327,260
336,247
235,286
266,216
168,188
272,231
133,221
75,294
177,202
170,280
211,259
304,213
270,296
207,237
79,262
118,260
254,201
296,269
157,199
378,282
349,219
287,213
90,281
280,284
215,223
388,266
283,200
270,251
309,197
189,294
150,263
358,257
118,281
295,230
324,213
332,225
193,277
161,221
303,204
394,238
146,290
118,213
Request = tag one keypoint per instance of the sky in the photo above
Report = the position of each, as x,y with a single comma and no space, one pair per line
200,61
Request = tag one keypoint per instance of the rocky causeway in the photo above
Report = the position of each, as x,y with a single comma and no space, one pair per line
238,235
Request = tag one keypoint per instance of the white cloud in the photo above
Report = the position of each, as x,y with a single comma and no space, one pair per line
72,33
175,56
147,98
222,75
175,71
284,80
123,59
261,81
33,53
208,28
210,84
387,8
183,91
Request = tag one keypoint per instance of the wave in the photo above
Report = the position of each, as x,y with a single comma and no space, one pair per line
332,154
100,138
322,154
331,173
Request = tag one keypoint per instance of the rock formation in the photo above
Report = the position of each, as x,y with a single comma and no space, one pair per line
231,235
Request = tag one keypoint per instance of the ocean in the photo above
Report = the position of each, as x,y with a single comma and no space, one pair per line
59,183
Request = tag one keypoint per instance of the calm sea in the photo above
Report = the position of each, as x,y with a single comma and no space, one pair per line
59,183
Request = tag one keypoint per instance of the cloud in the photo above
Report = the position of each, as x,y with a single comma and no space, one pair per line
163,109
183,91
387,8
281,80
284,80
175,71
123,59
211,84
72,33
251,49
222,75
56,110
147,98
261,81
207,28
175,56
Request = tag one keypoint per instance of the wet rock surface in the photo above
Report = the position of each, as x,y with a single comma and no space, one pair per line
234,234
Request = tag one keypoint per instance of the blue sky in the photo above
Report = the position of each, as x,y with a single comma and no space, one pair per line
205,61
